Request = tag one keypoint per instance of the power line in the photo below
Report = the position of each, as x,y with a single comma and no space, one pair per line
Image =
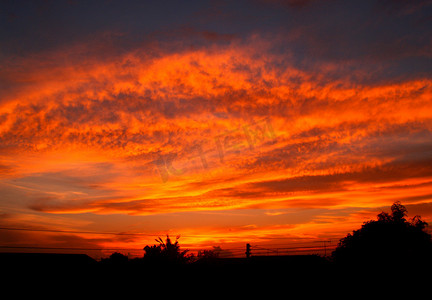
104,233
150,234
233,250
73,231
68,248
97,249
223,253
293,248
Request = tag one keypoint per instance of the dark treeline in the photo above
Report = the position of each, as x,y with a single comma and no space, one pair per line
391,240
390,245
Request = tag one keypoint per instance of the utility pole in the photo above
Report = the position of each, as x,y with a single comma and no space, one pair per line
325,247
248,250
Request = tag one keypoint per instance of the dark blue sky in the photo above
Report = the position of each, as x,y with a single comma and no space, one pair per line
389,39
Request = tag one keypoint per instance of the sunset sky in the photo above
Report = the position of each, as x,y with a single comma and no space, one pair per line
225,122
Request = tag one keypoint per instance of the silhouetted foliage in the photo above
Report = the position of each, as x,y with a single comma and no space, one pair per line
207,255
391,240
116,258
166,252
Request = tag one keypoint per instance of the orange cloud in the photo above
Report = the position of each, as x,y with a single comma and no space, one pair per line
231,127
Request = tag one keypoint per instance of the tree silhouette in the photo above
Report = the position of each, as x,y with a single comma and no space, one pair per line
207,255
391,240
166,252
116,259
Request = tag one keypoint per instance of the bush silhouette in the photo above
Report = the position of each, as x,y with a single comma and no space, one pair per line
116,258
391,240
166,252
207,254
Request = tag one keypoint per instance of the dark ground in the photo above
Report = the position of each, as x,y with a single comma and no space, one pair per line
67,276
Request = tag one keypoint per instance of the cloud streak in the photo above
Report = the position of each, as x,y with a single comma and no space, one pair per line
165,106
